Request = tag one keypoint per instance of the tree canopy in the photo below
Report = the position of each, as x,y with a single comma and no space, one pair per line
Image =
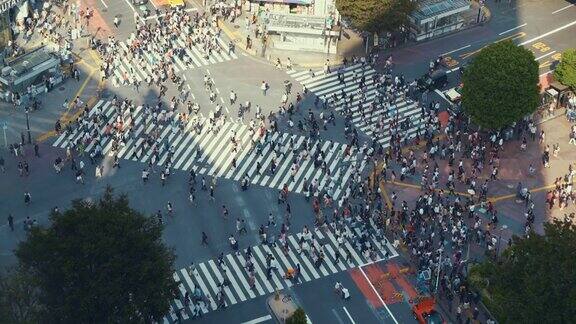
18,298
535,279
566,70
100,263
500,85
298,317
376,15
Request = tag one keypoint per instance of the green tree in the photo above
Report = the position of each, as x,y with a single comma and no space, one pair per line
566,71
376,15
299,317
100,262
500,85
18,298
534,281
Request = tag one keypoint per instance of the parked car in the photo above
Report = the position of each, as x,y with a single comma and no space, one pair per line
139,2
436,79
425,312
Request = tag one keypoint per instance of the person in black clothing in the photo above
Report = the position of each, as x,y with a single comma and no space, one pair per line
11,222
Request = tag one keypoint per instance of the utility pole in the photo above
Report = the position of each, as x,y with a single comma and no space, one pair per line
438,271
28,125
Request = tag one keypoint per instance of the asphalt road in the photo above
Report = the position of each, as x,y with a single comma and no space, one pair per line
544,27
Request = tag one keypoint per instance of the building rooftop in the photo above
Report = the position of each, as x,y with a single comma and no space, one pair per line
27,62
433,8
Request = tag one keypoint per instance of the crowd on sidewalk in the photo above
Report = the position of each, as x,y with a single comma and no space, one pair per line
454,165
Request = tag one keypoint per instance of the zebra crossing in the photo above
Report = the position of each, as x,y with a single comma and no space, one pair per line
144,65
209,152
208,276
325,85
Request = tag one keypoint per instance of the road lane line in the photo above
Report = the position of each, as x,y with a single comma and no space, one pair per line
348,314
104,3
378,295
543,56
563,8
511,29
548,33
456,50
259,319
453,70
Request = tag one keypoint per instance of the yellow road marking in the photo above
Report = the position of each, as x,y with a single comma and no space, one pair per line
385,195
65,118
513,37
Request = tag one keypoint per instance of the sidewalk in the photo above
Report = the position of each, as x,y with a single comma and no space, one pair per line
87,89
349,45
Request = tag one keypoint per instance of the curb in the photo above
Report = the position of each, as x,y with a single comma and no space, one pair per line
238,42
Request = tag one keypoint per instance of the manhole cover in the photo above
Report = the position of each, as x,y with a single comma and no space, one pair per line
61,88
104,10
236,26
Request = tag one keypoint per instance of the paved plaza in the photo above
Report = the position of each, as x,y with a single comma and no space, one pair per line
257,169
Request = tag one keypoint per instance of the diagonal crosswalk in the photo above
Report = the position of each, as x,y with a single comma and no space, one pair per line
142,64
328,87
208,276
197,145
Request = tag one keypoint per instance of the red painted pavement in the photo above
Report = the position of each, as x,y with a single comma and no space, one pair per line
365,288
98,24
381,283
400,280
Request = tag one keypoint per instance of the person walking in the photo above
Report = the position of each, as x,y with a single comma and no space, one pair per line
2,167
204,239
36,150
264,87
27,198
11,222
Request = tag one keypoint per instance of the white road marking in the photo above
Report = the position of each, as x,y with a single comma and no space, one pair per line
348,314
259,319
543,56
456,50
511,29
548,33
563,8
104,3
543,74
453,70
378,295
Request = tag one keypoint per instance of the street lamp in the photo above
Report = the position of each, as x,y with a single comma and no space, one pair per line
28,125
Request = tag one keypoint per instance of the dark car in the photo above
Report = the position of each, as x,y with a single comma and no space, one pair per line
436,79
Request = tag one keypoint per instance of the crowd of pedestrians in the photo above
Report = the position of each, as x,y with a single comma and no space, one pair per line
453,165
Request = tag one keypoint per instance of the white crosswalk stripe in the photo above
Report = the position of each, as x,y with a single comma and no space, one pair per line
238,289
209,151
328,87
142,63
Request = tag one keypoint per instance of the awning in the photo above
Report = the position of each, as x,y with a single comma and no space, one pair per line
300,2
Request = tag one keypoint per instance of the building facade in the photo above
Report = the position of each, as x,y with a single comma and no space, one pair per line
299,25
434,18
